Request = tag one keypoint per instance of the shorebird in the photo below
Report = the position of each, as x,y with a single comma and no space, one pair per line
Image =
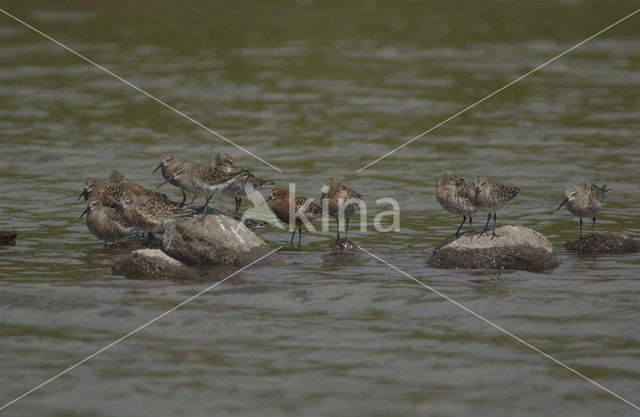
490,196
456,196
302,206
91,184
342,202
584,200
111,191
203,180
106,223
245,181
168,165
150,214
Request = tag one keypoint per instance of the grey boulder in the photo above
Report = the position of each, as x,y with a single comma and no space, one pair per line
608,243
152,264
513,247
217,240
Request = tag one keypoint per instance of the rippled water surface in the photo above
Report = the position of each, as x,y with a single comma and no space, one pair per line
319,89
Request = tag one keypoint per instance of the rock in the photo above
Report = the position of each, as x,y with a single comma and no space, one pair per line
343,245
252,224
153,264
7,236
603,244
514,247
218,240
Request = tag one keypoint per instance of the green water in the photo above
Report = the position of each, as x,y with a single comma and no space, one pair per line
319,89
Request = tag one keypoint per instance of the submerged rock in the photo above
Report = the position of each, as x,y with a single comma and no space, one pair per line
216,240
513,247
343,245
7,236
603,244
153,264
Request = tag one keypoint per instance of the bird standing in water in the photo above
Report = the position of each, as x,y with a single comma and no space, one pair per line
302,206
584,200
342,202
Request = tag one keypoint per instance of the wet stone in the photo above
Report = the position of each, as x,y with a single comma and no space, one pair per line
513,247
153,264
343,245
217,240
7,236
603,244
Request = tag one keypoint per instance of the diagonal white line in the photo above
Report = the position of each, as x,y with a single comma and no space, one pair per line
132,332
137,88
508,333
497,91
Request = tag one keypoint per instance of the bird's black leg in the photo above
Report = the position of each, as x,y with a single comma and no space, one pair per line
487,224
338,227
184,198
204,208
346,233
470,223
299,235
494,226
193,199
292,236
238,202
593,225
580,227
464,219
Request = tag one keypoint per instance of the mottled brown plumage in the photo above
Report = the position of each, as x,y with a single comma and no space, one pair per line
456,196
341,201
204,180
106,223
490,196
111,191
168,165
245,182
150,214
584,200
285,206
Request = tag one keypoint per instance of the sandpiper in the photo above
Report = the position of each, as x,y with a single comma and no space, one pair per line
302,206
245,181
168,164
91,184
111,191
342,202
584,200
203,180
106,223
490,196
150,214
456,196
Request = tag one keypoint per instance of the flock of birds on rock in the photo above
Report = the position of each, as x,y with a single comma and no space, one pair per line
117,208
464,198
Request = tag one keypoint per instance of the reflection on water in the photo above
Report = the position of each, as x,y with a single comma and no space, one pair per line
320,89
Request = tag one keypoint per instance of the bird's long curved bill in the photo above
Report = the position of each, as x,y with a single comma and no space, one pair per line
562,204
85,212
162,183
82,194
158,167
